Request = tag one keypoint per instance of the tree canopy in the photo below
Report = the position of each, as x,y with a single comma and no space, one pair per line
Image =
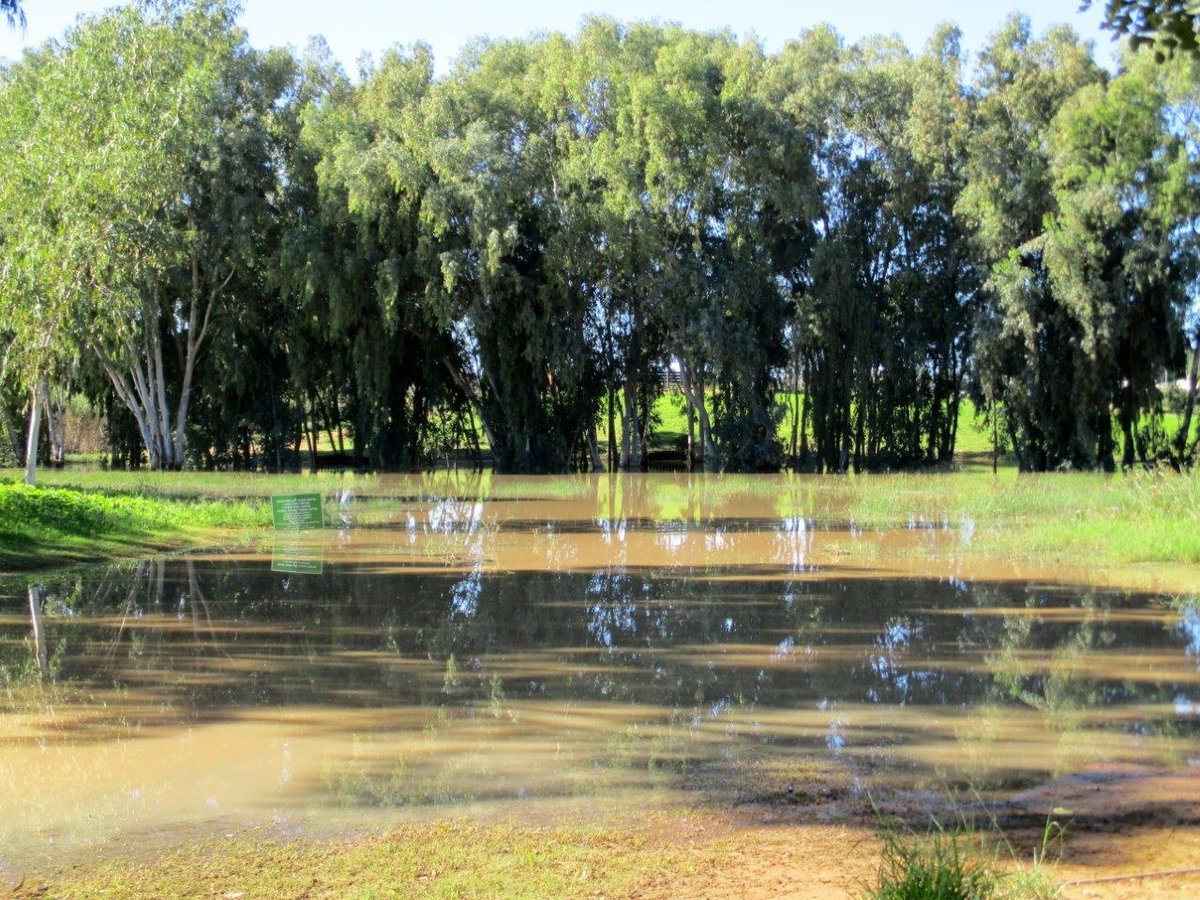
1167,26
817,254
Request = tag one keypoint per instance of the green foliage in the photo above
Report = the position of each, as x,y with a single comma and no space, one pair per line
1168,26
1088,236
240,256
137,199
881,327
1113,249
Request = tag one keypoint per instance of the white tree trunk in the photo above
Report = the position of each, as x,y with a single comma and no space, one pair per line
140,378
35,426
1189,408
695,397
121,384
55,411
41,654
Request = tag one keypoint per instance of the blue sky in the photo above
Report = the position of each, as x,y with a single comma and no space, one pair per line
353,27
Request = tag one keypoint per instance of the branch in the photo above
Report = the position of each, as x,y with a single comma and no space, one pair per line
212,301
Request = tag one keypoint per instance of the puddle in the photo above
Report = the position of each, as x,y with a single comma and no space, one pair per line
553,657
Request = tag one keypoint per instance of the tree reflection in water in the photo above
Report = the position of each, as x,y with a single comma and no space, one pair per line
395,685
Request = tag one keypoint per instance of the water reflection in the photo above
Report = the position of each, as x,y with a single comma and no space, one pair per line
455,659
297,556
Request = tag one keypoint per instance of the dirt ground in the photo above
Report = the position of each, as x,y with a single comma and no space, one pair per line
1127,834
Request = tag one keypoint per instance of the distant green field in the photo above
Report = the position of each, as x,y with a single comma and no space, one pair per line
669,430
974,436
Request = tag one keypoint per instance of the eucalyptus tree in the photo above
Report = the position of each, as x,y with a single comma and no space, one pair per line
1114,249
686,159
494,135
1026,340
768,197
141,121
1083,195
698,166
37,292
318,271
804,82
308,266
1182,85
617,63
369,332
244,398
907,116
882,279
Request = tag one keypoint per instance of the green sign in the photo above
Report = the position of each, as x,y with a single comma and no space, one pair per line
297,512
297,558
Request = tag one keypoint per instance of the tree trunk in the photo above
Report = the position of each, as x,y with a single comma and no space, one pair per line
312,432
859,434
1127,453
946,454
56,424
329,415
35,427
140,378
474,401
935,423
691,434
795,405
1105,445
594,449
1185,427
12,434
612,429
41,653
694,392
804,416
631,432
477,465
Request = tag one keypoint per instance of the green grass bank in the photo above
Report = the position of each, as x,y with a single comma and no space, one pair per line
1111,520
50,526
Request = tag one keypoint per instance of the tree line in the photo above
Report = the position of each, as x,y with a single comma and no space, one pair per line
827,249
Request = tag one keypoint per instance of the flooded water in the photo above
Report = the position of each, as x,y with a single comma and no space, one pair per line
490,650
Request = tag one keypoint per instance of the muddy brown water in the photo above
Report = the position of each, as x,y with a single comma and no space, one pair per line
490,652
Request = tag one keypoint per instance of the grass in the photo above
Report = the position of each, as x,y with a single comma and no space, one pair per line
962,863
1139,518
956,864
446,859
1108,520
44,526
223,486
937,866
675,853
